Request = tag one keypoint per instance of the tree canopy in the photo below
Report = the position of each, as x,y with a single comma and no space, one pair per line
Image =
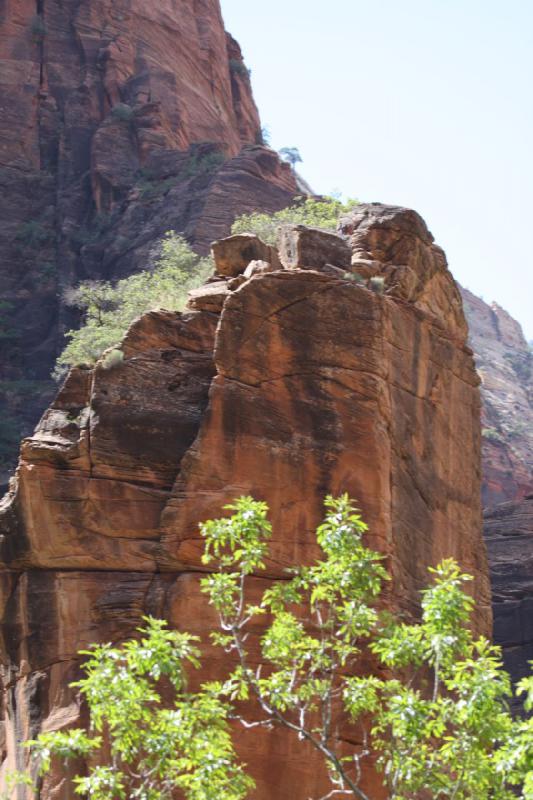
432,713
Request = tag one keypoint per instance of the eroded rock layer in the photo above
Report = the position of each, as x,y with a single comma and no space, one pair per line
120,121
284,382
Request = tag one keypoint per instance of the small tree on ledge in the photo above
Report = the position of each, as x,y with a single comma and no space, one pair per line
291,155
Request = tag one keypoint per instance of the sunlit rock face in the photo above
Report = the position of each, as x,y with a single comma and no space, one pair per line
293,384
120,121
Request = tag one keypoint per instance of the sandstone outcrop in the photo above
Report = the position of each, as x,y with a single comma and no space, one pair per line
120,121
303,383
399,248
233,254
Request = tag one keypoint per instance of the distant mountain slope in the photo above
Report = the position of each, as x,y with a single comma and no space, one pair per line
505,364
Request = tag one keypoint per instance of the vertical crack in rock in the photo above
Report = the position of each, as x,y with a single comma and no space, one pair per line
40,16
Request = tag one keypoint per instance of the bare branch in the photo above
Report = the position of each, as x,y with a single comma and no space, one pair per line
266,723
333,793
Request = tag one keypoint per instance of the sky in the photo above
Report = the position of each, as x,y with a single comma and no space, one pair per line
421,103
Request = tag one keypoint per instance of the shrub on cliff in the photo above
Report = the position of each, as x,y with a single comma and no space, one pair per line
109,309
123,112
323,213
238,67
33,234
492,435
205,164
434,713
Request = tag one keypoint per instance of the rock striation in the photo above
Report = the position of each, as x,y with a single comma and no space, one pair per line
120,120
285,383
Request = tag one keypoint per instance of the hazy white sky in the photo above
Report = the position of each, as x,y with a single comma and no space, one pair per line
423,103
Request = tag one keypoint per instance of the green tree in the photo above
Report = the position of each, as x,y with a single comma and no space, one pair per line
109,309
434,712
317,213
439,724
154,746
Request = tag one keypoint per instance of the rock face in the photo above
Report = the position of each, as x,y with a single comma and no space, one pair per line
120,121
299,384
509,535
505,364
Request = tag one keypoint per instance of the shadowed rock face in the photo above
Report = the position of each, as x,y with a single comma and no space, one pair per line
120,121
305,383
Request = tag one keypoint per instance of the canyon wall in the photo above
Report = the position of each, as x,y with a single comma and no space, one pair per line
292,381
505,364
120,120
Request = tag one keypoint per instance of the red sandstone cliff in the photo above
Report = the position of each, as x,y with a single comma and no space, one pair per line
115,119
287,384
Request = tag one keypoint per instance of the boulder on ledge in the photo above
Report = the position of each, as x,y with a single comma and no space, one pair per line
233,254
258,268
210,297
312,248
